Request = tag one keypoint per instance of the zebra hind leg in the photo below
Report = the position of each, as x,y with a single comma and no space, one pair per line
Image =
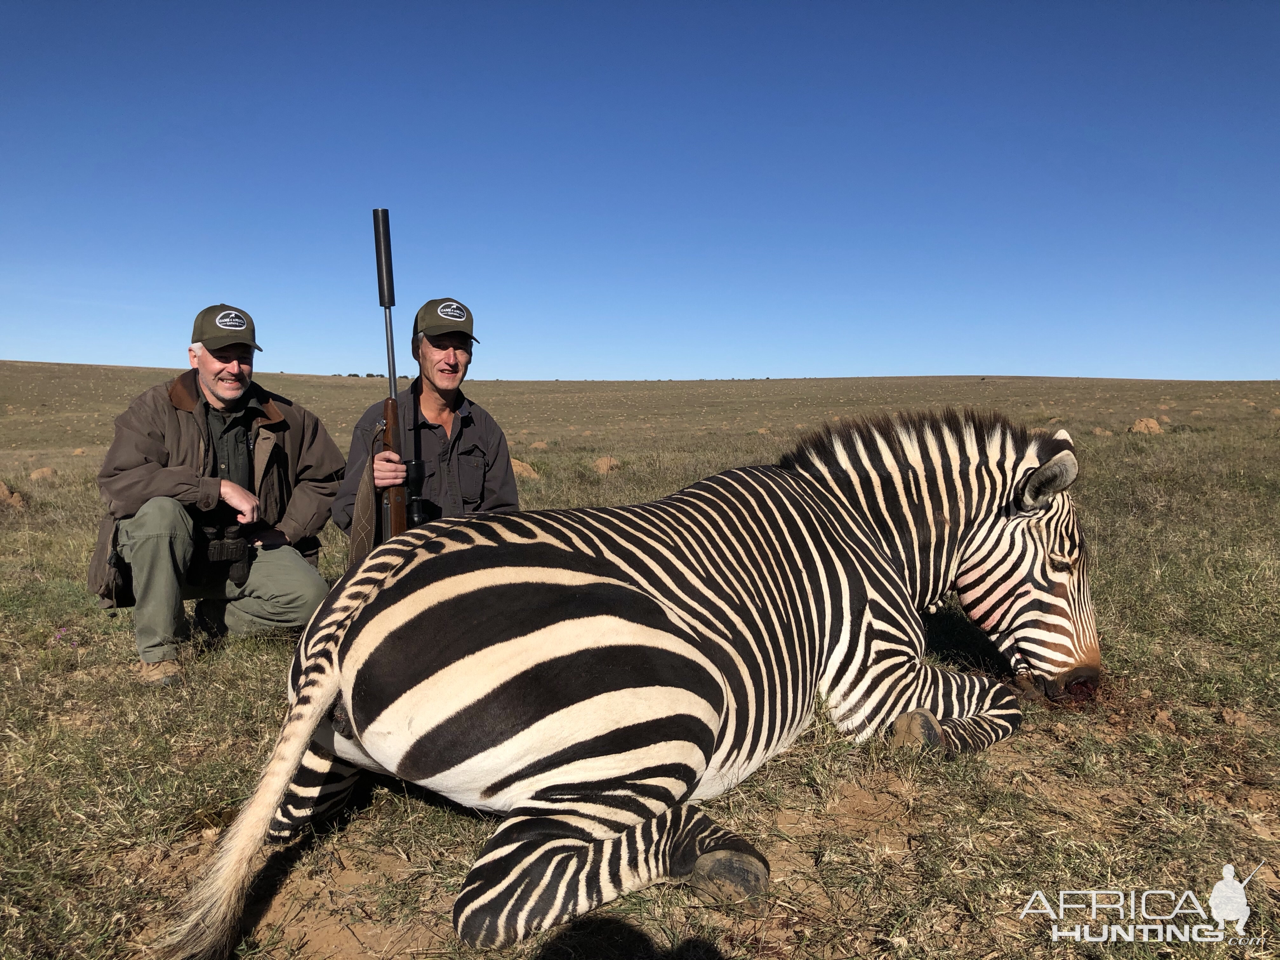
725,868
320,788
539,870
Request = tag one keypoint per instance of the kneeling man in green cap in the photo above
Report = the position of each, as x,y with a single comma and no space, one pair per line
216,490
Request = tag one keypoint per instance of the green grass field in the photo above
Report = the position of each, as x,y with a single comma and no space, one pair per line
111,793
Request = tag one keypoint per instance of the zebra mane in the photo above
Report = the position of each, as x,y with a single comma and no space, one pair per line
821,444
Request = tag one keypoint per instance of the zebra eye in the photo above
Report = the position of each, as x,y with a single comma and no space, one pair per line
1061,562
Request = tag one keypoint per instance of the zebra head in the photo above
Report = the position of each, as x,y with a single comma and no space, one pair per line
1023,579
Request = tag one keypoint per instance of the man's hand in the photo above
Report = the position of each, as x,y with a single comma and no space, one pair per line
388,470
241,500
270,537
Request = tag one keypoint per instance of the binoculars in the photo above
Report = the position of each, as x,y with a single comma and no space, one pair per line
226,544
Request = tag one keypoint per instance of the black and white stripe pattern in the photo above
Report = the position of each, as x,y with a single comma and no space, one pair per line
591,674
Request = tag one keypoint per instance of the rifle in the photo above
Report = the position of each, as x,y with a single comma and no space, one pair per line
393,498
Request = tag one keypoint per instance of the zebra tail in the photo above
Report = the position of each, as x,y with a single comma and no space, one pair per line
211,927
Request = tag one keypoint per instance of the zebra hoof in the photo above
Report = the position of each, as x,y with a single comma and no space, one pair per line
1029,688
730,876
918,728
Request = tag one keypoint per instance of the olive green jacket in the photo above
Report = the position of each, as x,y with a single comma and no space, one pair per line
162,449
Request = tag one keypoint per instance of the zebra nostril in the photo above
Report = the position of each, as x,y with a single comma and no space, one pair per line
1078,685
1082,689
1073,687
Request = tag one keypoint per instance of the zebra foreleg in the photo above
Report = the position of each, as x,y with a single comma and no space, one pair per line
958,713
539,870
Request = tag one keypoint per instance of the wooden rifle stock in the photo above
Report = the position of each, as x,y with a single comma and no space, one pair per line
394,499
395,496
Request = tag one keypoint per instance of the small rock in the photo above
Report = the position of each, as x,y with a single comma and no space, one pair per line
522,469
1055,420
1145,695
17,502
43,473
1197,413
606,465
78,452
5,492
586,433
1162,406
1164,419
1163,719
1145,425
538,445
1275,411
1099,432
763,430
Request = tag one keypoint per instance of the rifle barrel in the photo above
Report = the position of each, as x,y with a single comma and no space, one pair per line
391,356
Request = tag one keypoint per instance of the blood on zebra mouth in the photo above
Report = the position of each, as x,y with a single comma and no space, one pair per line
1082,690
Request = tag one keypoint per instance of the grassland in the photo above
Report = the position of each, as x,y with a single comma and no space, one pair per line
111,794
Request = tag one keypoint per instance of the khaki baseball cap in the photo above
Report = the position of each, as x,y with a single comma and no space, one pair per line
221,325
444,316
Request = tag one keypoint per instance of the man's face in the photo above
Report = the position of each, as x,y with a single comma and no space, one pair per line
445,359
224,373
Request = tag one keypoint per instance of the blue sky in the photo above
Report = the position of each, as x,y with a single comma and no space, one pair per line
652,190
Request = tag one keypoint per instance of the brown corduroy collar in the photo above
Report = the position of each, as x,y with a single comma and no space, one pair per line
184,394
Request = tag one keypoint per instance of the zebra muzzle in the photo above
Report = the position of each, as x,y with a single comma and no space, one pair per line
1073,687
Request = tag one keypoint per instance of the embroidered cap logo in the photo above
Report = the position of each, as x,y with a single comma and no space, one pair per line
230,320
452,311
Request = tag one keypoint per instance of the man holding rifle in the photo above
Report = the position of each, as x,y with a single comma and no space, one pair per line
453,457
215,490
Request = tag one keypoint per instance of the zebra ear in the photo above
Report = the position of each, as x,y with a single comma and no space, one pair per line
1048,480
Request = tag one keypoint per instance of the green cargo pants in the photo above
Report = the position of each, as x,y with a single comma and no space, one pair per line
158,543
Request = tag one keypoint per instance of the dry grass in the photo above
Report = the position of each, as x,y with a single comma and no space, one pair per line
110,793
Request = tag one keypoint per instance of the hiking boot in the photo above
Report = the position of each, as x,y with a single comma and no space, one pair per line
209,619
162,673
